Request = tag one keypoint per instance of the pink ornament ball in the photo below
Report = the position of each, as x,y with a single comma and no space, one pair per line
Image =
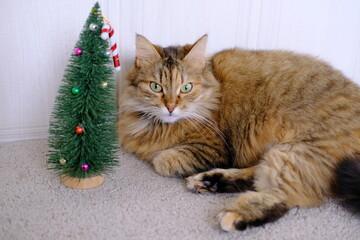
85,167
77,51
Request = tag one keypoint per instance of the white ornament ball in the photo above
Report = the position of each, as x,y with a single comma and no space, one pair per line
93,27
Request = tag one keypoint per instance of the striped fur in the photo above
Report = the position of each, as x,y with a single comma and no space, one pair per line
281,121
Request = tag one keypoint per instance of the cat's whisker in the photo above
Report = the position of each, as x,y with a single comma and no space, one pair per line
193,123
211,126
200,120
208,124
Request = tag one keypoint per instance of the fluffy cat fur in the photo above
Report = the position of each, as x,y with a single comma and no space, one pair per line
282,128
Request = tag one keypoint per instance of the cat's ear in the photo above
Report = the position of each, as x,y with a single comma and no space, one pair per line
145,52
196,56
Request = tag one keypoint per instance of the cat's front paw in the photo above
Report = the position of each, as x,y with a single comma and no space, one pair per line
200,183
167,163
220,181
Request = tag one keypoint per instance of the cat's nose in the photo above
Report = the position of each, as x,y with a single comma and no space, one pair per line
171,107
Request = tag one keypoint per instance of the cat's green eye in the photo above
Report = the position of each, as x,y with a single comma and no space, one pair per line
186,88
156,87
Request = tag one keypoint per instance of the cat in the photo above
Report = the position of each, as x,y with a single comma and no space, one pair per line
281,128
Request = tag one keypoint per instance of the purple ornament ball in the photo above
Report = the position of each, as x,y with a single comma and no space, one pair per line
77,51
84,167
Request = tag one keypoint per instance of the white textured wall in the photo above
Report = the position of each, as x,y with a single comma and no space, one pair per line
38,36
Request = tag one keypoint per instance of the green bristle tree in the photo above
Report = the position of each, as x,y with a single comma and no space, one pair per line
83,138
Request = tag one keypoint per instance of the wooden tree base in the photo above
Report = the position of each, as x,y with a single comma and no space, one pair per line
82,183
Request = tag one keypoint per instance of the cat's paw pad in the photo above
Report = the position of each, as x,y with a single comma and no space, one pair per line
230,221
199,184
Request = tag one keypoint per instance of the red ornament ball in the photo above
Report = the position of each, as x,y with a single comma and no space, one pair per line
79,130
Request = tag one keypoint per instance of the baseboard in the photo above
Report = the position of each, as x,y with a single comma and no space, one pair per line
26,133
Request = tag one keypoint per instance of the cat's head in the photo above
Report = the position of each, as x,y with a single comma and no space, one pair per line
170,84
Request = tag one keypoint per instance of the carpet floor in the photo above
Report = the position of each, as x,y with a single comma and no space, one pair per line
134,203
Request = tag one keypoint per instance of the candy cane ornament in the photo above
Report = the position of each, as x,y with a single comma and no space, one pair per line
107,32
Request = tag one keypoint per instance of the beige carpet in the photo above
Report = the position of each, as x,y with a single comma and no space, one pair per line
133,203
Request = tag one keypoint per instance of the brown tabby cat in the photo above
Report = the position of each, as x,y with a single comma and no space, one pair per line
286,126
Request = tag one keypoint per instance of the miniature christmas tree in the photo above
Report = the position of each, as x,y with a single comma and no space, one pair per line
83,138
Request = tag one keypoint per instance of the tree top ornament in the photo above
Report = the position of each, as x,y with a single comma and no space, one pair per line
107,32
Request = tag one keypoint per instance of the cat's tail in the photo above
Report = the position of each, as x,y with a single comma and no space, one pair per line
347,183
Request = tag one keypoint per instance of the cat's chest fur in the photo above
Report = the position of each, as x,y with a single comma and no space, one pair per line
145,138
